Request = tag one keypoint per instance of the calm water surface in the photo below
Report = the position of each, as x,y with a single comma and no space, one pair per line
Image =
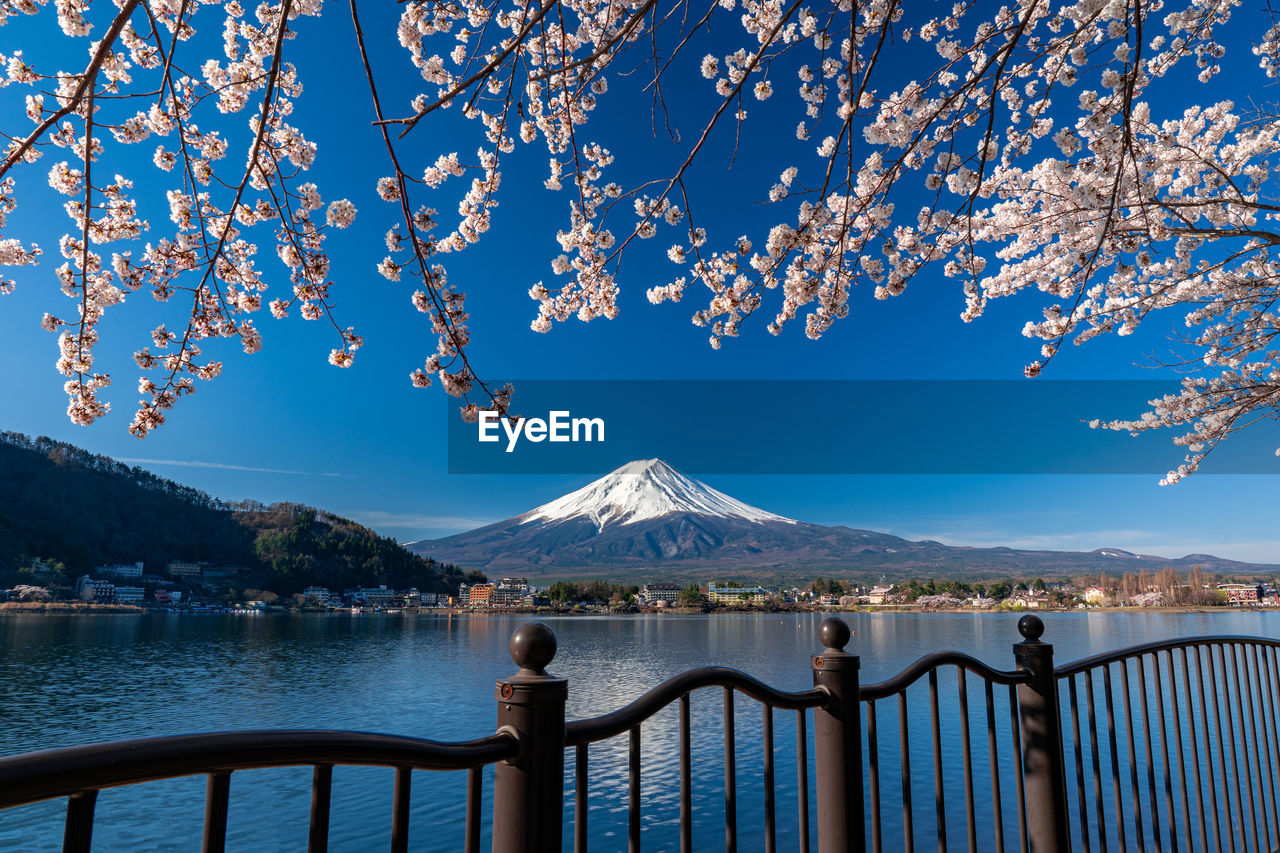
81,679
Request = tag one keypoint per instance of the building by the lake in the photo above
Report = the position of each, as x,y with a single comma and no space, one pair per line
740,595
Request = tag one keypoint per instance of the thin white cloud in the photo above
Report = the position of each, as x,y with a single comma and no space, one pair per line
378,518
222,466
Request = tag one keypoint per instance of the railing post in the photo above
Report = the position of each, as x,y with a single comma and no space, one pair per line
528,790
1043,765
837,743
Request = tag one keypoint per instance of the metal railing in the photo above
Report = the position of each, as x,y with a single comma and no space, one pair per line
79,772
1174,746
1194,722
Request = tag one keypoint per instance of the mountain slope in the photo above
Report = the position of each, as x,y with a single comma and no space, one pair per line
646,517
61,503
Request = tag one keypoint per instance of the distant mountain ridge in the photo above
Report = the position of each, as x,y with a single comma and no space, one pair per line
646,517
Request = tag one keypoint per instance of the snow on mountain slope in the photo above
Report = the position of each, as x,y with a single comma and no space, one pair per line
643,490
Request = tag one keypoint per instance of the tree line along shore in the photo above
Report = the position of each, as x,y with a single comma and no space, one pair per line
187,589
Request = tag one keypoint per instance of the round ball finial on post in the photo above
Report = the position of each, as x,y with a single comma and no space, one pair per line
1031,628
532,647
834,633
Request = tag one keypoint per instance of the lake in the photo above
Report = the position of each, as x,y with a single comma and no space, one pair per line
73,679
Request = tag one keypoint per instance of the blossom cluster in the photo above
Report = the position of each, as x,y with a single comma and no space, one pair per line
133,93
1080,152
1023,155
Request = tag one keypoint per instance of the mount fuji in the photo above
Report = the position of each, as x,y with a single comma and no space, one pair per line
647,517
645,512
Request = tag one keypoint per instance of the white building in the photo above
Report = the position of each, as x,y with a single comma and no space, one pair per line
752,595
379,596
659,594
92,589
321,595
1240,593
507,596
1095,595
179,569
879,595
122,570
130,594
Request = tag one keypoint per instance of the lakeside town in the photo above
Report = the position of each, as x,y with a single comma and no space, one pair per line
201,587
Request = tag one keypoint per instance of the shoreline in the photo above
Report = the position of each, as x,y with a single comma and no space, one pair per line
67,607
81,608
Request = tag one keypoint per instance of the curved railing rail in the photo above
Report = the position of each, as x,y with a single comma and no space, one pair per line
61,772
1092,662
629,716
931,663
1175,742
80,772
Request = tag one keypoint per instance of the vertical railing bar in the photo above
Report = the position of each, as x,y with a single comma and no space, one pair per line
217,793
873,759
633,790
1176,706
77,830
770,839
1249,735
1133,758
1094,748
1164,752
939,791
730,779
1147,752
1261,741
686,779
1260,812
1220,699
400,810
994,757
1116,789
475,787
1016,732
1195,749
321,797
904,741
802,779
580,801
1269,656
1208,748
1260,667
1273,697
1244,743
962,690
1081,800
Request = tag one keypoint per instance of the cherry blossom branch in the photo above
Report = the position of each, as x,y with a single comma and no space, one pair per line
77,95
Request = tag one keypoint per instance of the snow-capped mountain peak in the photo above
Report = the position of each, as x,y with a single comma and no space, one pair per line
645,489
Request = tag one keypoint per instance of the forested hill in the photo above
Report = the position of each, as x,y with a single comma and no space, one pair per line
61,503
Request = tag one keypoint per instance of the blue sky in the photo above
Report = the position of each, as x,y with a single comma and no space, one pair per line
285,425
